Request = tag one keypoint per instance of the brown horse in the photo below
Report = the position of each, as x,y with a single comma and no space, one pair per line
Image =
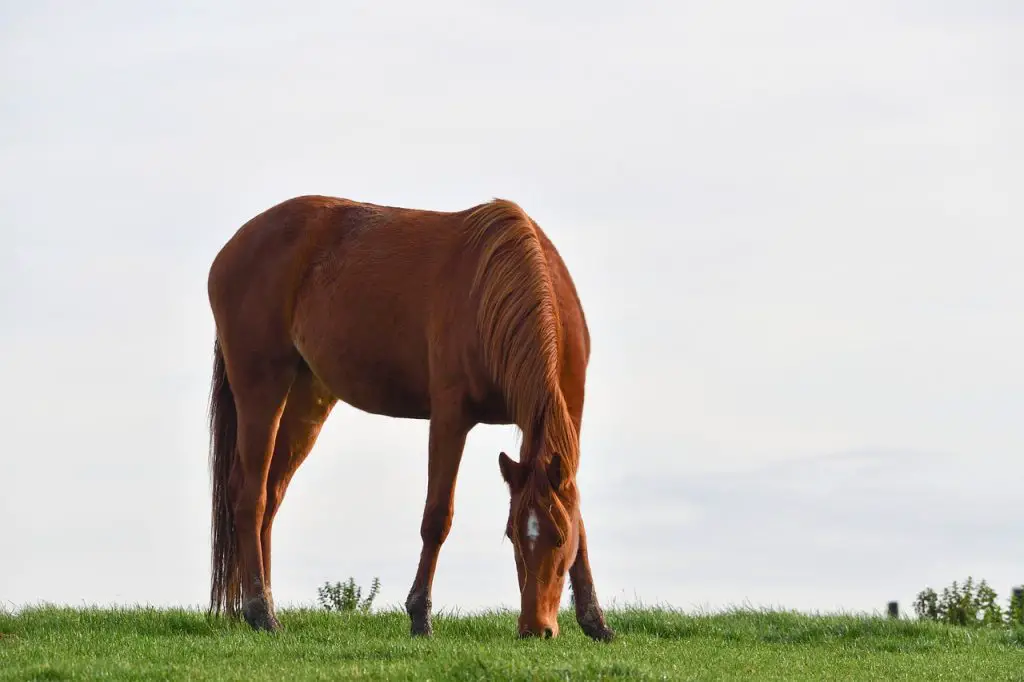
462,318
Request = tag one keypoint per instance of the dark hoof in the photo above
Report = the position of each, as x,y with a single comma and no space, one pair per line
598,631
258,615
421,627
419,616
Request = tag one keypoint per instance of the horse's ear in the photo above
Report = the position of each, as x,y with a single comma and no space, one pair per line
554,471
512,471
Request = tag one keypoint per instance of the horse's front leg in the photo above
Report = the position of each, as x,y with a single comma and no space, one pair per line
447,440
588,611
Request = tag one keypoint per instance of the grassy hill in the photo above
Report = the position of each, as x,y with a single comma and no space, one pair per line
140,644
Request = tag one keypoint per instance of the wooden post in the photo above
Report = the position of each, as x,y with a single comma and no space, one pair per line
894,609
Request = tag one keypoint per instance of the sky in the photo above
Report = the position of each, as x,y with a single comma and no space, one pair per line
795,227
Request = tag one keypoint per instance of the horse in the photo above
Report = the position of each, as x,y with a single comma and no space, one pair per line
460,318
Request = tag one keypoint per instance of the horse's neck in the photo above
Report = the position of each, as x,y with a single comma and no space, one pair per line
551,431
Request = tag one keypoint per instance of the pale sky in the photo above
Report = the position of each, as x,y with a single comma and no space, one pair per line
795,227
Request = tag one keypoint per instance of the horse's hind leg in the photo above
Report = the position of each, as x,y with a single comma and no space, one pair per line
309,404
261,386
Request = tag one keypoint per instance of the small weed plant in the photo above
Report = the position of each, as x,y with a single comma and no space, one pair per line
347,596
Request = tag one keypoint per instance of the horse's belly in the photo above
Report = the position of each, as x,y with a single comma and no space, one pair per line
374,376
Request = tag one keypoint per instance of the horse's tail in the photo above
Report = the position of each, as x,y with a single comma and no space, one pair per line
225,589
519,324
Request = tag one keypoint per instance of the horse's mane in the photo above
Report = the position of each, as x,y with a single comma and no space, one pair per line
520,333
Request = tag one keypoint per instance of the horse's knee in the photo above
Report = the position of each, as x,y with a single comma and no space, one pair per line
437,523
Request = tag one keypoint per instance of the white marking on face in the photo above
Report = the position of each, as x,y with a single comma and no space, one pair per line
532,528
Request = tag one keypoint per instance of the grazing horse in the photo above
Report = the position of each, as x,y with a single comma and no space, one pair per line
461,318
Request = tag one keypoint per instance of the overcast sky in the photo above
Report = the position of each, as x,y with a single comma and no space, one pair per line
796,229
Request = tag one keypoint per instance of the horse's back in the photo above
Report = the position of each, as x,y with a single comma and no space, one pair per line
312,243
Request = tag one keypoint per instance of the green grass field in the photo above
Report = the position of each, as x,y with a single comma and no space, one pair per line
149,644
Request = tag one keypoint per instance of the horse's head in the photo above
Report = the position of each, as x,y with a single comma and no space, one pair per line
543,525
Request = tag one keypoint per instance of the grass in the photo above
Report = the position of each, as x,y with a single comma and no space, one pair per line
51,643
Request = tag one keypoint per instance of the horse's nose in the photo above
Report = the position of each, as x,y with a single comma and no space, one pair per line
546,632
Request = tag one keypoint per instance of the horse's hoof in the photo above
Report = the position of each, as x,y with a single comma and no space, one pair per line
258,615
421,626
418,608
598,631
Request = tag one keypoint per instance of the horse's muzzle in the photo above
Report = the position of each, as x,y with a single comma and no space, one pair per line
546,633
